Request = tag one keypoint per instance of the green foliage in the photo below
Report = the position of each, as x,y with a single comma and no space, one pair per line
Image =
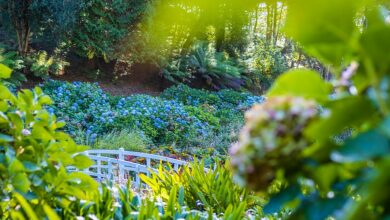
11,60
328,179
41,65
131,140
203,115
217,69
102,24
34,158
211,189
303,83
32,19
265,63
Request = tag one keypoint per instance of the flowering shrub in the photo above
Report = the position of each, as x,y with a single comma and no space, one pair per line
83,106
273,133
166,121
181,119
223,99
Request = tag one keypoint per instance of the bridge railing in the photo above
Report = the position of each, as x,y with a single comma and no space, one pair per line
120,165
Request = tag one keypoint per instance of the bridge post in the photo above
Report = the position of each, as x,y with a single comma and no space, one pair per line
86,154
110,175
137,179
149,165
121,158
99,167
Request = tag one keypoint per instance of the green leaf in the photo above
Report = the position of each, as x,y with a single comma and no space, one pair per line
181,196
6,138
82,161
30,167
314,207
303,83
278,201
20,182
325,175
5,72
375,44
26,206
51,214
366,146
16,166
325,28
344,113
4,92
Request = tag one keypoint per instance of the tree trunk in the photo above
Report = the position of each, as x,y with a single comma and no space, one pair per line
220,37
256,20
19,15
274,22
269,25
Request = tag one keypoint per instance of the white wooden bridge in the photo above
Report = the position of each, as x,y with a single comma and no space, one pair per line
119,165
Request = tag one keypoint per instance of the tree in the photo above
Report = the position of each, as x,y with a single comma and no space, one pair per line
33,16
102,24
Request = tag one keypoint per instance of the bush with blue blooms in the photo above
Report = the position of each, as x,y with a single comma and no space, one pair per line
179,116
221,100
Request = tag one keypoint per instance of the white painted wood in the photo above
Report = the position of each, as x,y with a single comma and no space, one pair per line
113,165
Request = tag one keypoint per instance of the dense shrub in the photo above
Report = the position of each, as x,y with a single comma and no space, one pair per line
221,100
179,117
34,158
166,121
83,106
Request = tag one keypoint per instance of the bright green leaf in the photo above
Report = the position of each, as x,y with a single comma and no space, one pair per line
5,72
303,83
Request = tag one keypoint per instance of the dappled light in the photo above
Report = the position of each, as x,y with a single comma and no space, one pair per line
194,109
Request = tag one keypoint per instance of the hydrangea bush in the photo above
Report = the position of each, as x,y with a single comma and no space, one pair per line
179,116
272,138
223,99
166,121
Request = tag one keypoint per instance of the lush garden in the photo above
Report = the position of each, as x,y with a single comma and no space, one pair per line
188,121
280,108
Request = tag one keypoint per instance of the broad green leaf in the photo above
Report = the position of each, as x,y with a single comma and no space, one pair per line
365,146
325,175
82,161
375,44
319,208
20,182
344,113
5,72
5,93
16,166
278,201
6,138
325,28
30,167
303,83
45,100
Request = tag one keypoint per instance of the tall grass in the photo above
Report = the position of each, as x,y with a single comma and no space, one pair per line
131,140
